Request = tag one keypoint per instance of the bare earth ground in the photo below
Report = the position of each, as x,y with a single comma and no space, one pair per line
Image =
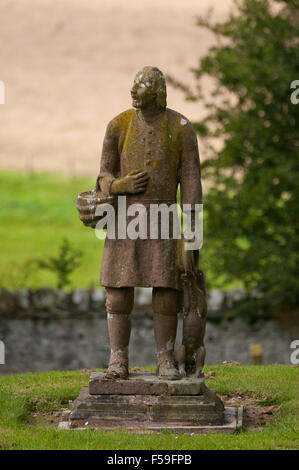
68,67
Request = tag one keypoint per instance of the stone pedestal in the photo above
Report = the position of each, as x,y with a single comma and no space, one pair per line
145,403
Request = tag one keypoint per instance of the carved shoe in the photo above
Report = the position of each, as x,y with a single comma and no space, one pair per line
167,368
118,368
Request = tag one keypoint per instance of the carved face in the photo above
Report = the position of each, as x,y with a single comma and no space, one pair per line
143,93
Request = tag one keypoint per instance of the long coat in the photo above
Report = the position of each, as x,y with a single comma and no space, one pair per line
166,147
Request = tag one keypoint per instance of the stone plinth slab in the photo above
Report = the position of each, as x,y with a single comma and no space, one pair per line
144,384
232,423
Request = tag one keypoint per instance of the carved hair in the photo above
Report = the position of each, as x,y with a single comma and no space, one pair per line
158,83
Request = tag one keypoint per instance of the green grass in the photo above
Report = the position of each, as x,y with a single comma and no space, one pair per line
21,395
36,213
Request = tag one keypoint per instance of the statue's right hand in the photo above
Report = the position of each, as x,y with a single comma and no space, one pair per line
87,217
133,183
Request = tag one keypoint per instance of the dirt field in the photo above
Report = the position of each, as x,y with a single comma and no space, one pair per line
68,67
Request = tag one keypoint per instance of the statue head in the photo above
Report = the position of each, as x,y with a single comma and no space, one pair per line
149,89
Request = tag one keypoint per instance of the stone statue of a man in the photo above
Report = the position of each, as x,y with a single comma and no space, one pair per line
148,151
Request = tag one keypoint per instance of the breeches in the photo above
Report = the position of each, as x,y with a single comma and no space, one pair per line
120,300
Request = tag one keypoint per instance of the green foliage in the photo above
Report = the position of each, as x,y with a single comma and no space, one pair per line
63,265
252,224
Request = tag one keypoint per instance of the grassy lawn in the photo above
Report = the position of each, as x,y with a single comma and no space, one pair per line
36,213
29,402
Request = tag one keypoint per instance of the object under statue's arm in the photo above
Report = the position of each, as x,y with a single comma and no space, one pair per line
190,184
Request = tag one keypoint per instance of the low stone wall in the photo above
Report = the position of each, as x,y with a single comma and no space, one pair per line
51,330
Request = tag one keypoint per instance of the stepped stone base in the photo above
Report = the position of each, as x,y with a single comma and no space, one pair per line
143,403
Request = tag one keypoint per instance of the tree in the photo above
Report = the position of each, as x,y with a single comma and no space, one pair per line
62,265
251,229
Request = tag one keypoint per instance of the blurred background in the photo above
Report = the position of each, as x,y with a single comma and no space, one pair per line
67,68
